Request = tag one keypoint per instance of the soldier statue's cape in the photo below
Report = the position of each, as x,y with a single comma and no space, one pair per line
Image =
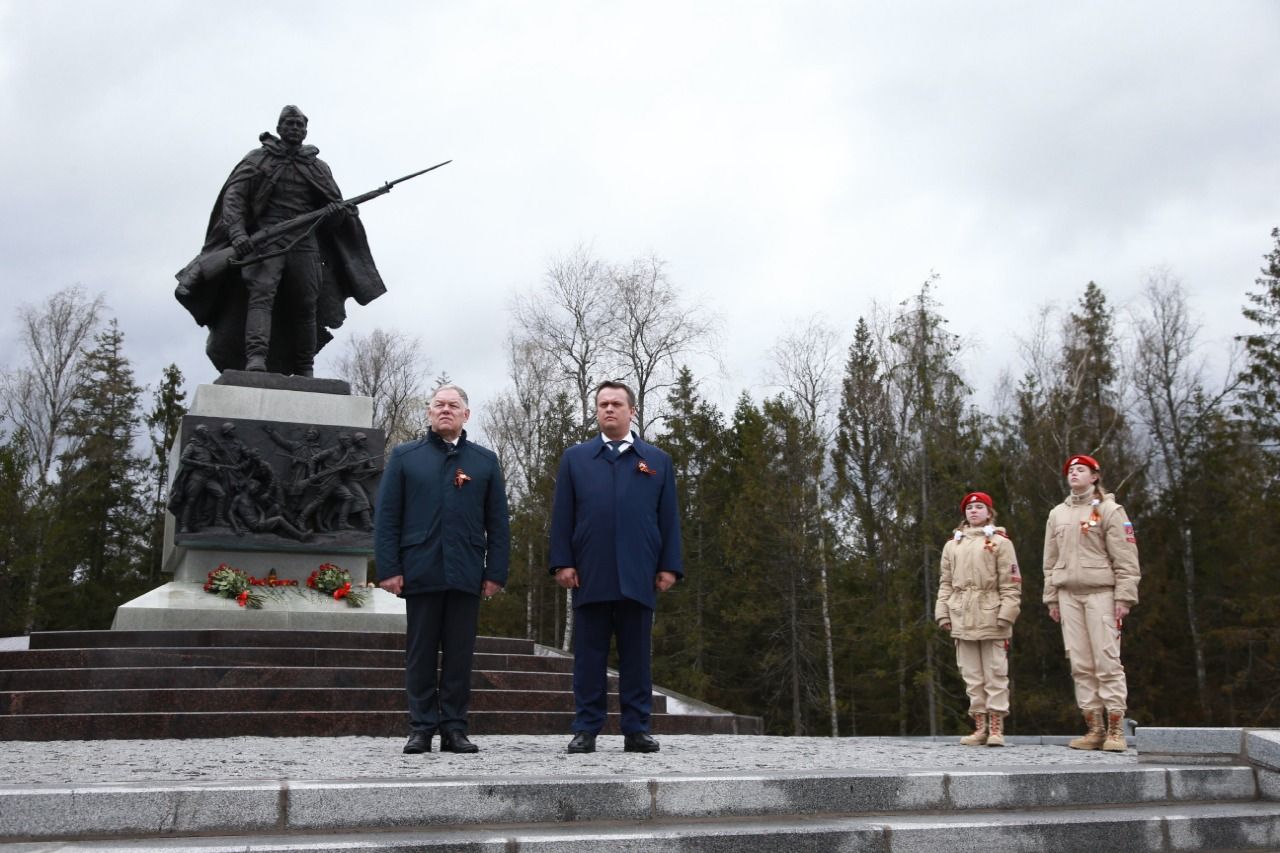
217,296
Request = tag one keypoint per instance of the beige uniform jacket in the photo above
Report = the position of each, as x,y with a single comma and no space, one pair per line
1081,557
980,590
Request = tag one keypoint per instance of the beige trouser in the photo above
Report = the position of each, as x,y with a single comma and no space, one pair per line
984,665
1093,647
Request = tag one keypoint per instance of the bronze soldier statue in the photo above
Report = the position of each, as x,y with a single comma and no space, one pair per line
269,303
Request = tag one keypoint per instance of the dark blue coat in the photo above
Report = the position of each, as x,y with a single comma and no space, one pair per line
617,522
438,534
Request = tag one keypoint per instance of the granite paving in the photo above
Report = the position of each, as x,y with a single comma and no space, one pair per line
508,756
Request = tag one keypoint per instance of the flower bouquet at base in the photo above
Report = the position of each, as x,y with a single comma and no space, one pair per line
329,580
232,583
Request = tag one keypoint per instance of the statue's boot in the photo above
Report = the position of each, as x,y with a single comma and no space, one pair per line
343,513
257,339
188,510
308,514
220,513
290,530
304,358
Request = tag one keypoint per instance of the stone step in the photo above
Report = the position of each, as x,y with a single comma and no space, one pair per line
256,656
151,684
198,677
145,726
1061,808
1123,830
1247,826
206,638
257,699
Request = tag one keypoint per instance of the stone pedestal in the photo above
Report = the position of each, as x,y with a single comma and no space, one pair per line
271,418
187,605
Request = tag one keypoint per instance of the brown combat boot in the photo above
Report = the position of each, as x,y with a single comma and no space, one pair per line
979,736
1097,733
1115,741
995,730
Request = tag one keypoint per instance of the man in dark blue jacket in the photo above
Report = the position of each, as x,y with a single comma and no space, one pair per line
615,541
441,541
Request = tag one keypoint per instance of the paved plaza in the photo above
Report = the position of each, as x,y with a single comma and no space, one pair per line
507,756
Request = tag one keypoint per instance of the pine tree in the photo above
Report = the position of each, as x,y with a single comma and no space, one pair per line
103,518
694,436
1260,394
162,423
16,524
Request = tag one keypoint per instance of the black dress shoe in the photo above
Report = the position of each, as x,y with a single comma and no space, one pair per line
640,742
583,742
418,742
456,741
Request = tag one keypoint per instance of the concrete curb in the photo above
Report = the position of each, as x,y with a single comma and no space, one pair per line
160,810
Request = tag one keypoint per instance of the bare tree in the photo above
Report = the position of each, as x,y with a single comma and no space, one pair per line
807,364
388,366
654,328
1177,410
570,320
520,424
38,397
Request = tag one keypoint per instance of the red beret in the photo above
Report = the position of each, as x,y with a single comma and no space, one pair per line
1080,460
980,497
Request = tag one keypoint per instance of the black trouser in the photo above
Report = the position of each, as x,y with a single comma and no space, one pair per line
300,271
444,621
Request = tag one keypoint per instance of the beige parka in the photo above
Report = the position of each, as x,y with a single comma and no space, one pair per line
1084,553
980,589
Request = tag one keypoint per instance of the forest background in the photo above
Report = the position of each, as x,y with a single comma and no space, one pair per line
813,519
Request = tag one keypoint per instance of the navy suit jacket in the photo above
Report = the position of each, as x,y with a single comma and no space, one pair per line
439,531
616,522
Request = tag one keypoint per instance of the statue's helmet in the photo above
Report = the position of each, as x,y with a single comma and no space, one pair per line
359,438
291,110
228,428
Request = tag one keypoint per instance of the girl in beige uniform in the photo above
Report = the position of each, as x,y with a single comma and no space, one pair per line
1090,583
979,596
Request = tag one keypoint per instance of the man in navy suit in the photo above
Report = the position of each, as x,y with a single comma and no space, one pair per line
441,541
615,541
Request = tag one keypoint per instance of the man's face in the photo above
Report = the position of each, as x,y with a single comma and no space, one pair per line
292,130
614,413
447,414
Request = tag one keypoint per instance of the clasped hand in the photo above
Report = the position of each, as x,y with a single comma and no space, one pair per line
568,578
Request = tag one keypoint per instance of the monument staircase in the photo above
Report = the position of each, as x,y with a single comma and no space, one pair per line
91,685
1132,808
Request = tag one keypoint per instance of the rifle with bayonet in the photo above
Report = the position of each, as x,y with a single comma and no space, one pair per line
217,262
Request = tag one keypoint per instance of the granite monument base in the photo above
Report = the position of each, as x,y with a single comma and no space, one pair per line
180,605
246,420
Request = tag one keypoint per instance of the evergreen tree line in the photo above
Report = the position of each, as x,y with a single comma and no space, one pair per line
82,522
813,519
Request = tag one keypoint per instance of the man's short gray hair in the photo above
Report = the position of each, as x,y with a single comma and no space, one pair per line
449,386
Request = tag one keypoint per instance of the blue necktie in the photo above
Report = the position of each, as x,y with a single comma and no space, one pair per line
613,449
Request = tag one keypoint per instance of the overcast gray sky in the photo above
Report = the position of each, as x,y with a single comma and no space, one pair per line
786,159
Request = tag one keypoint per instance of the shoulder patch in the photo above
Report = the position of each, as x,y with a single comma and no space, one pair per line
1014,574
1005,535
1129,535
